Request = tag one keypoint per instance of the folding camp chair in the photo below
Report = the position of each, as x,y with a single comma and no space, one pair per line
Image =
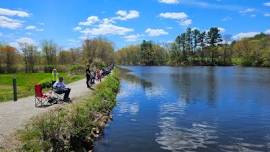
59,97
40,98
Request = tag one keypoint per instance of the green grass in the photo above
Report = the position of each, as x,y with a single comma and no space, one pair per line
69,128
26,82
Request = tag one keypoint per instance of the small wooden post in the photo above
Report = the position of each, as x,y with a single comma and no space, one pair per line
14,89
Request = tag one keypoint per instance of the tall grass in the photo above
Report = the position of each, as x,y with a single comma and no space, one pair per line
73,127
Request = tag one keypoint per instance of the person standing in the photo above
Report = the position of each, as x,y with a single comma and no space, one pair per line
92,77
55,76
88,75
98,74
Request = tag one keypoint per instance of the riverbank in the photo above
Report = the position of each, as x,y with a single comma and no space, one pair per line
73,127
171,109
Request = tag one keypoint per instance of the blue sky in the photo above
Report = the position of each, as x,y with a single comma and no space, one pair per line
124,22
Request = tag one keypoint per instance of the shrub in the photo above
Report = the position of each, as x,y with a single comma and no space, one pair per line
77,69
48,68
70,128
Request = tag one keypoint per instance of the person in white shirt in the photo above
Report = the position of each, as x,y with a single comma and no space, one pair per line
61,88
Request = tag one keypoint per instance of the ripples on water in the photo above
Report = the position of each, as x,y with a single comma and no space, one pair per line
164,109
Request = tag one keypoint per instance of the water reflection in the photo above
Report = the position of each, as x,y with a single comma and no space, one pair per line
175,138
239,144
128,76
130,108
154,91
211,109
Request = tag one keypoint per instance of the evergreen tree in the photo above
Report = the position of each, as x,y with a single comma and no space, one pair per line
213,39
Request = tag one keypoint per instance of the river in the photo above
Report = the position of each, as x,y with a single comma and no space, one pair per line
175,109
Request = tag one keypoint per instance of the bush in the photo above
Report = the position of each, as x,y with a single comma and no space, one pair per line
70,128
48,68
77,69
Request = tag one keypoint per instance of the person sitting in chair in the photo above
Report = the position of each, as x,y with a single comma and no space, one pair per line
61,88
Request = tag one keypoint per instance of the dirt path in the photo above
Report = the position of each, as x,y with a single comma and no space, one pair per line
14,115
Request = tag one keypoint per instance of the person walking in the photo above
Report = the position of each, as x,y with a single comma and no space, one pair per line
92,77
88,76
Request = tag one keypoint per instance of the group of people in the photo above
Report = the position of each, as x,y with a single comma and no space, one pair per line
93,74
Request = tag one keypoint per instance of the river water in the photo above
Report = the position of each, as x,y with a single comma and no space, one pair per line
174,109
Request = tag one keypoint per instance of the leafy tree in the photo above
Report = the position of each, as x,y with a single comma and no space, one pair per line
98,48
49,49
29,53
147,53
8,56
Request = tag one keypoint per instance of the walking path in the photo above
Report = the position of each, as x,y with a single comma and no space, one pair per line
15,115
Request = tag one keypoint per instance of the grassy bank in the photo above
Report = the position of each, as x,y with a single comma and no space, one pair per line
72,127
26,82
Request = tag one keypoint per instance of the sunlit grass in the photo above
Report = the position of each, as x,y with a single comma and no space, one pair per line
26,82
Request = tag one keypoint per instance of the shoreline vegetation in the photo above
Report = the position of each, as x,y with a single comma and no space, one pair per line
73,127
200,48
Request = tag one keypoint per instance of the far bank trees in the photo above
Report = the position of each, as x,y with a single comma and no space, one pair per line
195,47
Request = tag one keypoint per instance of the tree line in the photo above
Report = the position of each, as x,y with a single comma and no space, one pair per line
195,47
30,58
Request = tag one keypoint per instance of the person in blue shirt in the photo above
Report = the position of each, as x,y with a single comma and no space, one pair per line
61,88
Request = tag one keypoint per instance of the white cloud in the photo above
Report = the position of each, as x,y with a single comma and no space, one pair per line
253,15
22,40
227,18
174,15
267,31
186,22
267,4
108,21
155,32
126,15
34,28
9,23
179,16
90,20
169,1
30,27
267,14
77,28
107,29
221,30
248,10
107,26
9,12
132,37
25,40
244,35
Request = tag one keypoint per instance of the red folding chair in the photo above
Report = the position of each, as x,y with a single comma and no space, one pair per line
40,98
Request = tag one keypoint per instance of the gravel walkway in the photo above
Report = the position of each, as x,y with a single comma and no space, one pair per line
15,115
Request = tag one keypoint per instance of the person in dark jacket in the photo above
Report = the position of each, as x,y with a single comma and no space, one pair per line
88,76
